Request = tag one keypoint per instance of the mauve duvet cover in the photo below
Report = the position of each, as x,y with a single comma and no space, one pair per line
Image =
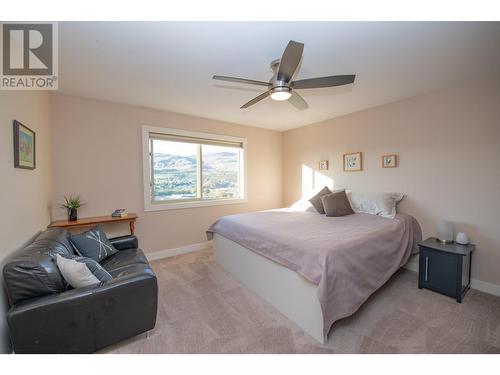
347,257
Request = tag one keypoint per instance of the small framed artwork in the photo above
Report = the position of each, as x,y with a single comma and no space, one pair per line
353,162
24,147
389,161
323,165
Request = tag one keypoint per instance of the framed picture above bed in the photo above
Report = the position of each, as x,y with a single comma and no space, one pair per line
24,147
389,161
353,162
323,165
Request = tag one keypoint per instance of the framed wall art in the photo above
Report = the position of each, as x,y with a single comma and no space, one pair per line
389,161
24,147
323,165
353,162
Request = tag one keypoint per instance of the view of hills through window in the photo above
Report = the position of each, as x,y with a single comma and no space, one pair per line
220,172
176,171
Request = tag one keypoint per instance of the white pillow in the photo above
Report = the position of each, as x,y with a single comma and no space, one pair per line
382,204
75,273
302,206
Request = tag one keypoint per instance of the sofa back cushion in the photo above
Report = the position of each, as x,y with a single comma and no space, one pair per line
32,271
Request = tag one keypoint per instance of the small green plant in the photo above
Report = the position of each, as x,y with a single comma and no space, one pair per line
72,202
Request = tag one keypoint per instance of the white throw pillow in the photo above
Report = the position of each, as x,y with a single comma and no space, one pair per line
302,206
75,273
382,204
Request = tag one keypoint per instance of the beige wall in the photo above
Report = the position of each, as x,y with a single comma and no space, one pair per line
98,154
449,151
25,194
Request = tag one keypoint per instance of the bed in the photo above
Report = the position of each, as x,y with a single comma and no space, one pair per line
314,269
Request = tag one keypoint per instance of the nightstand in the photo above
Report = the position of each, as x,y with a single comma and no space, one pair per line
445,268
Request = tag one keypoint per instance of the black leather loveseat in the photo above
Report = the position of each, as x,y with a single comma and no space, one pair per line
47,316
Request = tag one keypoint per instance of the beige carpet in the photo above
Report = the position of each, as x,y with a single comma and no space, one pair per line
202,309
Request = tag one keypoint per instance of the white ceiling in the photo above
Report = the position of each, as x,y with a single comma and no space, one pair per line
169,65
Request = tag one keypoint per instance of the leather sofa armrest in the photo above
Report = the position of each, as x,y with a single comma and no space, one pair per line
86,319
125,242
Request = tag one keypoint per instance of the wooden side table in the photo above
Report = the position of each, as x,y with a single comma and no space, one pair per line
91,221
445,268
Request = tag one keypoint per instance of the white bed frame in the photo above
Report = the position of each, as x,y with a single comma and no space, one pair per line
286,290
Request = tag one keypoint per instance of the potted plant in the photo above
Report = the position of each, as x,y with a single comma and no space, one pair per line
72,204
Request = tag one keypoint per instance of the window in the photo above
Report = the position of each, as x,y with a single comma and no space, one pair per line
187,169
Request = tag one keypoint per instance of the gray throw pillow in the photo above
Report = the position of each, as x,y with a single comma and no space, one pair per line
316,200
94,267
93,244
336,204
80,272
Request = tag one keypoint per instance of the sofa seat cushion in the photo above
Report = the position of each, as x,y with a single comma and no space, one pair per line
124,258
133,269
32,272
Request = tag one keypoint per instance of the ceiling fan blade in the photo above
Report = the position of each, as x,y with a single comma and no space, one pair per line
290,60
298,101
255,100
330,81
241,80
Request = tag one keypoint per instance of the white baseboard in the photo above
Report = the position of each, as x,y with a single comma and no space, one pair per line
178,250
482,286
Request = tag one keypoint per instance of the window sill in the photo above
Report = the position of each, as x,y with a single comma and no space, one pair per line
195,204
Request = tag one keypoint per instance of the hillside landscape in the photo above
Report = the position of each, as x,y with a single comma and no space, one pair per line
175,176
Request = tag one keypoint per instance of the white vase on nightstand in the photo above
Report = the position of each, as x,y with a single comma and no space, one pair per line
445,231
462,238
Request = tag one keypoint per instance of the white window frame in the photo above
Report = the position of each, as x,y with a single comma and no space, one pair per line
147,173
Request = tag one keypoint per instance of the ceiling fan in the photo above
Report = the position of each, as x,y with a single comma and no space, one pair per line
281,87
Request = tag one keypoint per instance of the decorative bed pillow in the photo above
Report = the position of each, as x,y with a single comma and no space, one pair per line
93,244
80,271
336,204
302,205
382,204
316,200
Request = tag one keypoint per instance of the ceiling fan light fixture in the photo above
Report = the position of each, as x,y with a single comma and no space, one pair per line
282,87
281,93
